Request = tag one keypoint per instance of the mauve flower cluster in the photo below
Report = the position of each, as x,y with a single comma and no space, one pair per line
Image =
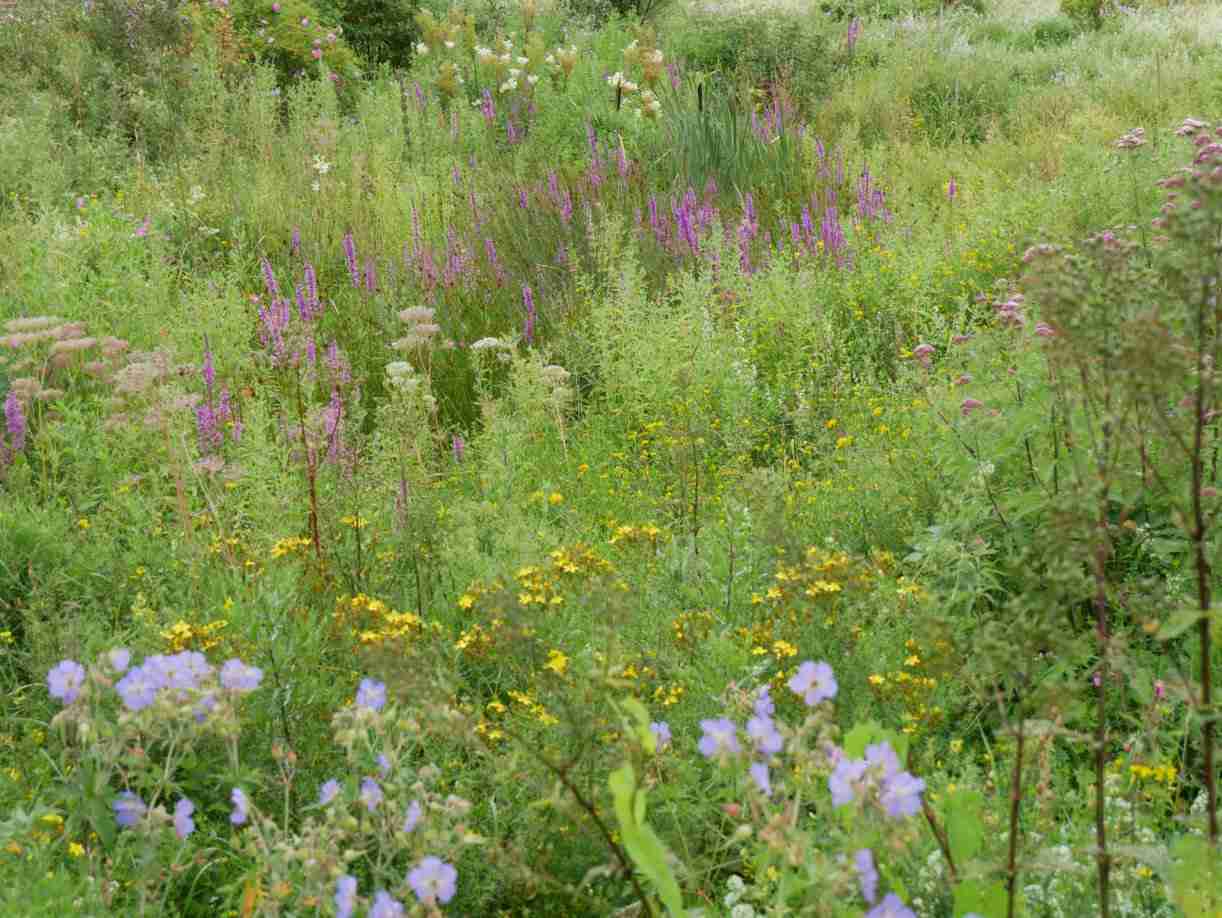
813,683
877,775
185,677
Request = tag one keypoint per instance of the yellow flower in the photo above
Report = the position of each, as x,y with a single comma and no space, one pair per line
557,662
466,601
842,442
76,849
82,523
555,498
831,424
876,679
956,745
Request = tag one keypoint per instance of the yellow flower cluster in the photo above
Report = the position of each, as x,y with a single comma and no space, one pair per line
290,546
910,690
690,628
629,534
183,635
1160,774
374,623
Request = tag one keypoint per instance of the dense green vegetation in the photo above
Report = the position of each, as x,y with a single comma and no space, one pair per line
432,434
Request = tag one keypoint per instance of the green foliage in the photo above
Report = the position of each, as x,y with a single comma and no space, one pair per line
380,31
1087,12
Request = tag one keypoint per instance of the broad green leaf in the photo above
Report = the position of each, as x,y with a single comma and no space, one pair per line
640,841
1179,622
964,827
985,899
861,736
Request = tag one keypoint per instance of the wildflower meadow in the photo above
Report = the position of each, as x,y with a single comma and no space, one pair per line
610,457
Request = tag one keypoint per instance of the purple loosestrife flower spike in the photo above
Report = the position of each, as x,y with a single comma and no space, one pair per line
414,812
433,881
814,682
951,189
385,905
720,736
528,299
661,734
459,445
371,695
14,422
867,874
65,679
371,276
328,792
295,241
383,764
129,809
345,896
350,259
269,280
240,803
759,774
891,907
184,825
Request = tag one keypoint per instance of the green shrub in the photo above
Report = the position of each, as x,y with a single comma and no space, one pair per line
381,31
1088,12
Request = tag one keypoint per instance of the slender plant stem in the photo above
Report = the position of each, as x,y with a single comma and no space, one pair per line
1016,801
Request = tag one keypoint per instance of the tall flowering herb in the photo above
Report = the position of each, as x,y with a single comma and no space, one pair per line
295,242
371,276
14,428
528,328
850,39
354,271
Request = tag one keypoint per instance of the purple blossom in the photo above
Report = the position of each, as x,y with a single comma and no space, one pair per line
459,445
764,706
295,241
891,907
240,803
119,658
528,329
65,679
720,736
14,422
143,229
842,779
759,774
414,812
383,764
951,189
238,677
433,881
814,682
969,405
269,279
208,371
371,794
763,732
661,734
184,825
922,353
371,695
867,874
350,258
385,905
328,792
345,896
139,687
881,756
901,795
371,276
129,809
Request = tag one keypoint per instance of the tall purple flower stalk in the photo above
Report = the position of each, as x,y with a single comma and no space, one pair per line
15,428
853,34
488,107
350,258
528,329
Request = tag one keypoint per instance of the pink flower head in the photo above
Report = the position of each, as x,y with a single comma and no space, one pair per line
1044,330
964,379
275,7
1160,689
922,353
969,405
316,53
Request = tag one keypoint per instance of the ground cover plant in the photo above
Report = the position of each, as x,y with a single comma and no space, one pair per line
609,459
